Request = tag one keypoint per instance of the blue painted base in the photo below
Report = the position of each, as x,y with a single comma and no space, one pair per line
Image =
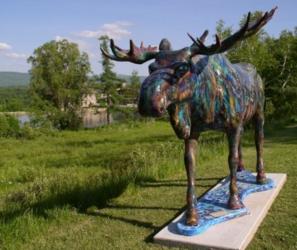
212,207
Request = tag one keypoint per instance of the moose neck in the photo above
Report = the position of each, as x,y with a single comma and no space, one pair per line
207,88
217,88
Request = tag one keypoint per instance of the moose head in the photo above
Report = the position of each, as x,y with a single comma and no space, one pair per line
172,73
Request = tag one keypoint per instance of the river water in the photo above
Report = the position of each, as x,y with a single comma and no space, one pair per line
91,118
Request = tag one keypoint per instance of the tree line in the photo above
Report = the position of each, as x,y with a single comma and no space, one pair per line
14,99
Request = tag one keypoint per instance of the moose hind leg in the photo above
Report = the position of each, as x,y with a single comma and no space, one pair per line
234,201
259,140
191,213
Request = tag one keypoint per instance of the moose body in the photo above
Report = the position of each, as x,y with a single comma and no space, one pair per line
202,90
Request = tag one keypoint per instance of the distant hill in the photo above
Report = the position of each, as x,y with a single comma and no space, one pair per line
14,79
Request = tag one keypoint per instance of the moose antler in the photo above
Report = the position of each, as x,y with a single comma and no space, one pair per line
220,46
135,54
201,38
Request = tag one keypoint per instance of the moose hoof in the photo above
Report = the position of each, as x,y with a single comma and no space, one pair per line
261,178
234,202
192,217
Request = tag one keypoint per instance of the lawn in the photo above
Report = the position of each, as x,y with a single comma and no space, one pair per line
115,187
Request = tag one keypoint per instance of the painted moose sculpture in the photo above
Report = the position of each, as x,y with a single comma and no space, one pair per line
202,90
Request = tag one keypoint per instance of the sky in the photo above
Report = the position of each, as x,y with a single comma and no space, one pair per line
27,24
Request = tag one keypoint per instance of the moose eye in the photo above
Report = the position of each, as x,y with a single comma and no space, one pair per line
167,77
181,70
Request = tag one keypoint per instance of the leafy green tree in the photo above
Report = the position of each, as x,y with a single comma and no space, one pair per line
275,60
282,80
223,31
253,50
135,79
135,84
109,84
59,80
129,95
14,99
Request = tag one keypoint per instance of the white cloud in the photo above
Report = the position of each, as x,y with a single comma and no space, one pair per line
12,55
16,55
115,30
4,46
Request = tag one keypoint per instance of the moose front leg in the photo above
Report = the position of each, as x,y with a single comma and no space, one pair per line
240,157
259,139
234,201
191,213
240,166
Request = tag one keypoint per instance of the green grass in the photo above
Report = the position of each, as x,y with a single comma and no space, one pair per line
114,187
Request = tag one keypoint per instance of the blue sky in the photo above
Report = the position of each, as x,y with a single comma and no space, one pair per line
27,24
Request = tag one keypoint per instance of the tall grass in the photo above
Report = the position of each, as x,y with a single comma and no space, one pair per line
69,178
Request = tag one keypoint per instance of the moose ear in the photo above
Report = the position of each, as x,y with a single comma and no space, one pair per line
152,67
165,45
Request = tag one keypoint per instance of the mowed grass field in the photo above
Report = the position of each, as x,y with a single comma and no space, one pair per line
115,187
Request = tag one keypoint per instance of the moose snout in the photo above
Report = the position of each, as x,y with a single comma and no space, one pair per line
155,107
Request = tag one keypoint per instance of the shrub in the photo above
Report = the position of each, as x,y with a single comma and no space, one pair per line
3,125
27,132
14,125
9,126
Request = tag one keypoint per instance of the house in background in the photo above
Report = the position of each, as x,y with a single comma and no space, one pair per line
90,100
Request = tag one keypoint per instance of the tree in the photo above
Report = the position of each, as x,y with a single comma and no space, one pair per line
108,84
14,99
59,80
135,79
135,86
253,50
275,60
223,31
282,80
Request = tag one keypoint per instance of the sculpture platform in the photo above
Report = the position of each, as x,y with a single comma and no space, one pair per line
221,236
